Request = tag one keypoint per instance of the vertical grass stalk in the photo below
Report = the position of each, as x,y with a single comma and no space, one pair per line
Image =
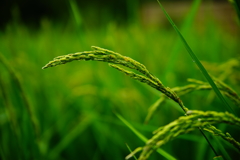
203,70
198,63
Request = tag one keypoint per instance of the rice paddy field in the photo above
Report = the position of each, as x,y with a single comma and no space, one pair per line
87,110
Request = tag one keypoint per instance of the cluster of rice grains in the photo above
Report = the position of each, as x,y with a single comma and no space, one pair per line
192,119
185,124
116,60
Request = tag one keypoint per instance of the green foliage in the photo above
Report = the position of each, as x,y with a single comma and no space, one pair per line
196,60
189,123
193,119
67,112
236,5
144,139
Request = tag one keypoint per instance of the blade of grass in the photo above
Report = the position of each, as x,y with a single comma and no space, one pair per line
76,131
14,124
185,27
132,8
131,151
200,66
198,63
143,138
10,110
76,13
29,108
222,149
236,5
2,154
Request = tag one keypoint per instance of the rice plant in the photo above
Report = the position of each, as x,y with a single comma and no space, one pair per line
88,110
192,120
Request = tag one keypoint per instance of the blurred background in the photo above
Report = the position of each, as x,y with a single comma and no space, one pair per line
68,112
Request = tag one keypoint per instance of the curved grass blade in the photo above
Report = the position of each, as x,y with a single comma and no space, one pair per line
198,63
143,138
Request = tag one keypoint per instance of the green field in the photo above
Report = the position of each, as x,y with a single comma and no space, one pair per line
72,111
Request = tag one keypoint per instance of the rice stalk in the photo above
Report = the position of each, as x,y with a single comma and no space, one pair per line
226,90
225,136
123,64
152,109
202,69
194,120
199,85
116,60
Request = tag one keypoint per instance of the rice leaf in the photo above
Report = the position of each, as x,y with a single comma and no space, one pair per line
143,138
236,5
198,63
185,27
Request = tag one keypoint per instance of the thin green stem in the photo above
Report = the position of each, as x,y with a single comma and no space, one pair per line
209,143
